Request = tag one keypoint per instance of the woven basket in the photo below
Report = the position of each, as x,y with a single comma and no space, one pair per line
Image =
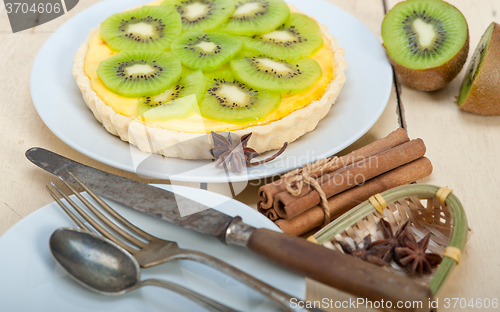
417,202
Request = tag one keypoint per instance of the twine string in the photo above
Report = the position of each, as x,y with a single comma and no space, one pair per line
309,175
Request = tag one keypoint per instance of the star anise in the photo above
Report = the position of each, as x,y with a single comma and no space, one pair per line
366,253
391,240
234,154
414,257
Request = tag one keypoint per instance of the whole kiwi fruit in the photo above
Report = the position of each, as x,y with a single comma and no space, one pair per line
427,42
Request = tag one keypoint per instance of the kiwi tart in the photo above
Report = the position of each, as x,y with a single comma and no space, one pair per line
164,75
427,42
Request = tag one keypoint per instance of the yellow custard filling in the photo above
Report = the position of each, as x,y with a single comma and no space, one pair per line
99,51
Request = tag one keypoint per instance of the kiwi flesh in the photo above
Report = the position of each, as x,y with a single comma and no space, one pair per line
229,100
179,108
202,15
267,73
147,28
299,37
222,72
205,50
134,73
480,89
191,83
254,17
427,42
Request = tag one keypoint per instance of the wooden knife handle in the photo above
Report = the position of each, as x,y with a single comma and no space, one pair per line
333,268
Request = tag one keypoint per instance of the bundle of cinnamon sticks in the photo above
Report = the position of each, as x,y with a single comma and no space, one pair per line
298,205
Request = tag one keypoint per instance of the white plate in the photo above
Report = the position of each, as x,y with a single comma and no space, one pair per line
360,104
30,280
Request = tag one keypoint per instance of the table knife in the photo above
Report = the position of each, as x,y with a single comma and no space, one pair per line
330,267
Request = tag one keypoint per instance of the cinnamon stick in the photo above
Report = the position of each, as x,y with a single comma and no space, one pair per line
288,206
272,215
268,192
269,213
341,203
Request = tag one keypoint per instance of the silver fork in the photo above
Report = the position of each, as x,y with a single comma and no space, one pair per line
156,251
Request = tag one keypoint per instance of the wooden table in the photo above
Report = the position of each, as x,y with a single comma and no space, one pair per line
463,147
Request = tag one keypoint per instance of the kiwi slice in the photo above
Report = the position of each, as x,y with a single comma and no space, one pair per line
254,17
264,72
191,83
231,101
223,71
206,51
202,15
299,37
480,89
149,27
134,73
174,109
427,42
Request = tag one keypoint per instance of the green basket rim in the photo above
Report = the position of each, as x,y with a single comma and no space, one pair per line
459,227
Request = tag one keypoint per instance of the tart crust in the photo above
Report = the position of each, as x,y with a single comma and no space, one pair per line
172,143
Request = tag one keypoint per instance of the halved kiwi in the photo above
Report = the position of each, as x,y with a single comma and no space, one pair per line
175,103
267,73
205,51
134,73
232,101
299,37
480,90
427,42
147,28
202,15
253,17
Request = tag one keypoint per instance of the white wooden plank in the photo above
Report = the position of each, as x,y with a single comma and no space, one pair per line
464,150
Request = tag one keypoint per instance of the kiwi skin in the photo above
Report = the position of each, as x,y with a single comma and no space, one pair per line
484,95
434,78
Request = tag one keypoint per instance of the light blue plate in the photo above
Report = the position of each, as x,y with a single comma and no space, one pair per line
30,280
61,106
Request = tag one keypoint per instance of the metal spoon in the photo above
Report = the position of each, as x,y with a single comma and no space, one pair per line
106,268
